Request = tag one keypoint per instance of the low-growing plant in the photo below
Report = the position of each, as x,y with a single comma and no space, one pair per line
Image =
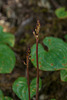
21,85
7,56
27,90
52,60
61,13
7,63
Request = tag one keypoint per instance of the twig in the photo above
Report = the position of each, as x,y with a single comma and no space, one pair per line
54,3
27,61
36,34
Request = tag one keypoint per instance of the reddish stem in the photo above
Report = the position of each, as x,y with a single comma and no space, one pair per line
36,34
37,84
28,82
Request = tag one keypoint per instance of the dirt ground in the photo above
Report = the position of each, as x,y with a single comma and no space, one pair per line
19,17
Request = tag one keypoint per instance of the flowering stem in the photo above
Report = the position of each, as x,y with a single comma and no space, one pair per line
28,82
37,84
36,34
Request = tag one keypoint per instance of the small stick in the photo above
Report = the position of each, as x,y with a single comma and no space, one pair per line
36,34
27,62
55,4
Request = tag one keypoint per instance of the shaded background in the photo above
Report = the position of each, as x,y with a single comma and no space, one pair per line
19,17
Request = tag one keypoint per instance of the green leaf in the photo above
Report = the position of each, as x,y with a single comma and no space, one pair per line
7,59
53,99
65,37
6,38
1,29
61,13
1,95
33,86
4,98
63,75
7,98
55,58
20,87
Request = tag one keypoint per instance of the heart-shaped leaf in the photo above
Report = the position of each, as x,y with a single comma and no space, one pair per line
7,98
61,13
20,87
6,38
63,75
1,95
55,58
7,59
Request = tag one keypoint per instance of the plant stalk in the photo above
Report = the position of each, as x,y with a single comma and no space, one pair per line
28,81
37,84
36,34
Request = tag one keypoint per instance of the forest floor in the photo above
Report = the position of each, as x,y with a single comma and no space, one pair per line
19,18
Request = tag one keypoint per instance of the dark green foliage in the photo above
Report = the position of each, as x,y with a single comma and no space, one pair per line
1,95
61,13
65,37
20,87
6,38
7,98
4,98
63,74
55,58
7,56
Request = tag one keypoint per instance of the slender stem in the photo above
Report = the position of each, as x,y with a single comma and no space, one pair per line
37,84
55,4
28,82
36,34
